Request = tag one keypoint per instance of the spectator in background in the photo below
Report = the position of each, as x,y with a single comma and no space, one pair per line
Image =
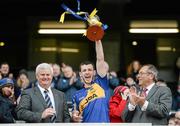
161,82
63,65
21,84
130,81
11,76
117,103
176,98
23,81
0,75
69,83
7,105
56,75
112,79
171,120
4,69
42,103
174,119
177,118
133,69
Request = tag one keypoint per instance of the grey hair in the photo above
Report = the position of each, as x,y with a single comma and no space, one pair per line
152,69
55,64
43,66
67,66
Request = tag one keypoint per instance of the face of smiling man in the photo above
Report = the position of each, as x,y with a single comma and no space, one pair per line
44,77
87,73
145,76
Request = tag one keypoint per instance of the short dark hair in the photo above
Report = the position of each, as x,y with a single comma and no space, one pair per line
23,71
171,115
4,63
86,63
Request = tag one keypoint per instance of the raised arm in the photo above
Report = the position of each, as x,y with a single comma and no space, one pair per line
101,65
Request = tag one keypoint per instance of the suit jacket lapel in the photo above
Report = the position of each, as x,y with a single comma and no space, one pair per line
56,99
40,96
152,91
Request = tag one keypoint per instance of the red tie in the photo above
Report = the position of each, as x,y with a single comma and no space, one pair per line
145,91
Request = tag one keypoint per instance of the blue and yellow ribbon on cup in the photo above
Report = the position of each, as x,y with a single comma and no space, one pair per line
96,28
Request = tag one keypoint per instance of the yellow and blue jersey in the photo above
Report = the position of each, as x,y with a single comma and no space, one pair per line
92,102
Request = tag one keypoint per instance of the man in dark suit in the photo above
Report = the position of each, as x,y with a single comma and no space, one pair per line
34,107
152,106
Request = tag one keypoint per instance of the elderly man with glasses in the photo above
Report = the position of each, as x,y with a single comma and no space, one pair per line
152,103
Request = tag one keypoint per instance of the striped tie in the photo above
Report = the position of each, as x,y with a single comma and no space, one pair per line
49,104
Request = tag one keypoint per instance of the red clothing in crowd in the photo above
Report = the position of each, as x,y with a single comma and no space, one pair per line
116,106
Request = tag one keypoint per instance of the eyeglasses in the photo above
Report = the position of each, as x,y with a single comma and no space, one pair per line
143,73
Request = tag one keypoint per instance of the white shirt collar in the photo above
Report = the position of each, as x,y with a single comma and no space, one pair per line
149,87
49,93
42,89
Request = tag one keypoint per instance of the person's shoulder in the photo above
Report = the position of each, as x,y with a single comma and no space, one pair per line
99,79
28,90
163,88
1,98
97,76
31,89
57,91
79,92
115,98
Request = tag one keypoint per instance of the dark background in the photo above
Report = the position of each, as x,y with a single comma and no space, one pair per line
14,15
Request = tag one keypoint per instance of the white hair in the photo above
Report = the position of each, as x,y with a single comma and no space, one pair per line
43,66
152,69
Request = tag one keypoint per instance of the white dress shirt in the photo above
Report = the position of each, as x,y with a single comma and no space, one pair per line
50,94
145,105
